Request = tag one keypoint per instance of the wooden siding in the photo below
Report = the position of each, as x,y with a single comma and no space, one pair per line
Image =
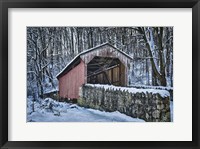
69,83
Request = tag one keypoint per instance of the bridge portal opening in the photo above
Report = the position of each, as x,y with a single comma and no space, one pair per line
106,70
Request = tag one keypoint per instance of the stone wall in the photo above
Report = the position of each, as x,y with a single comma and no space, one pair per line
169,89
149,105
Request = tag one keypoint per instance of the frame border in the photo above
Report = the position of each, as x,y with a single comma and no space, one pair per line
6,4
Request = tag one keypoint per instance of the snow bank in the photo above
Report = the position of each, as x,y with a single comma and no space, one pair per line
49,110
116,116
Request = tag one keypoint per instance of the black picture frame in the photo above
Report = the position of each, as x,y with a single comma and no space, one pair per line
6,4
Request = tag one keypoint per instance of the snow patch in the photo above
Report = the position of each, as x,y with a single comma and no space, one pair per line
116,115
50,90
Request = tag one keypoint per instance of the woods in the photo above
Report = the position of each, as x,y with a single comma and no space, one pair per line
50,49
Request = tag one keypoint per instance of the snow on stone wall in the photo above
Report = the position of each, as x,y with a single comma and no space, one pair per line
149,104
169,89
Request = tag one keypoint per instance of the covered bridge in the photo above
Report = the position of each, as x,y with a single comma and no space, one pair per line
104,64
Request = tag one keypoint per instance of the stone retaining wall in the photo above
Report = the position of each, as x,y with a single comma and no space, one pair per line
149,105
169,89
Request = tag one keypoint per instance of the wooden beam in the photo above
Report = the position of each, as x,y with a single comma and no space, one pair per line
107,77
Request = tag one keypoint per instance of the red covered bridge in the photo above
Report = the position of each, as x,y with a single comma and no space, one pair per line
103,64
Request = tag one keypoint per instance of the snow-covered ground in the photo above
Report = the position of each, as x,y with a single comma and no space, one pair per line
49,110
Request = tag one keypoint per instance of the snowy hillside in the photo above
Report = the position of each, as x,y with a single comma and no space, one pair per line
49,110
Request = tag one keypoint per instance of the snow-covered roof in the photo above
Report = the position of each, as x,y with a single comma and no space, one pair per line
89,50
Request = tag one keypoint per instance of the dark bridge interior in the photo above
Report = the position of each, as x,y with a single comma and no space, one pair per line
106,70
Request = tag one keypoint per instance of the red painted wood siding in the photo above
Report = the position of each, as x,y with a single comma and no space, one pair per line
69,83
